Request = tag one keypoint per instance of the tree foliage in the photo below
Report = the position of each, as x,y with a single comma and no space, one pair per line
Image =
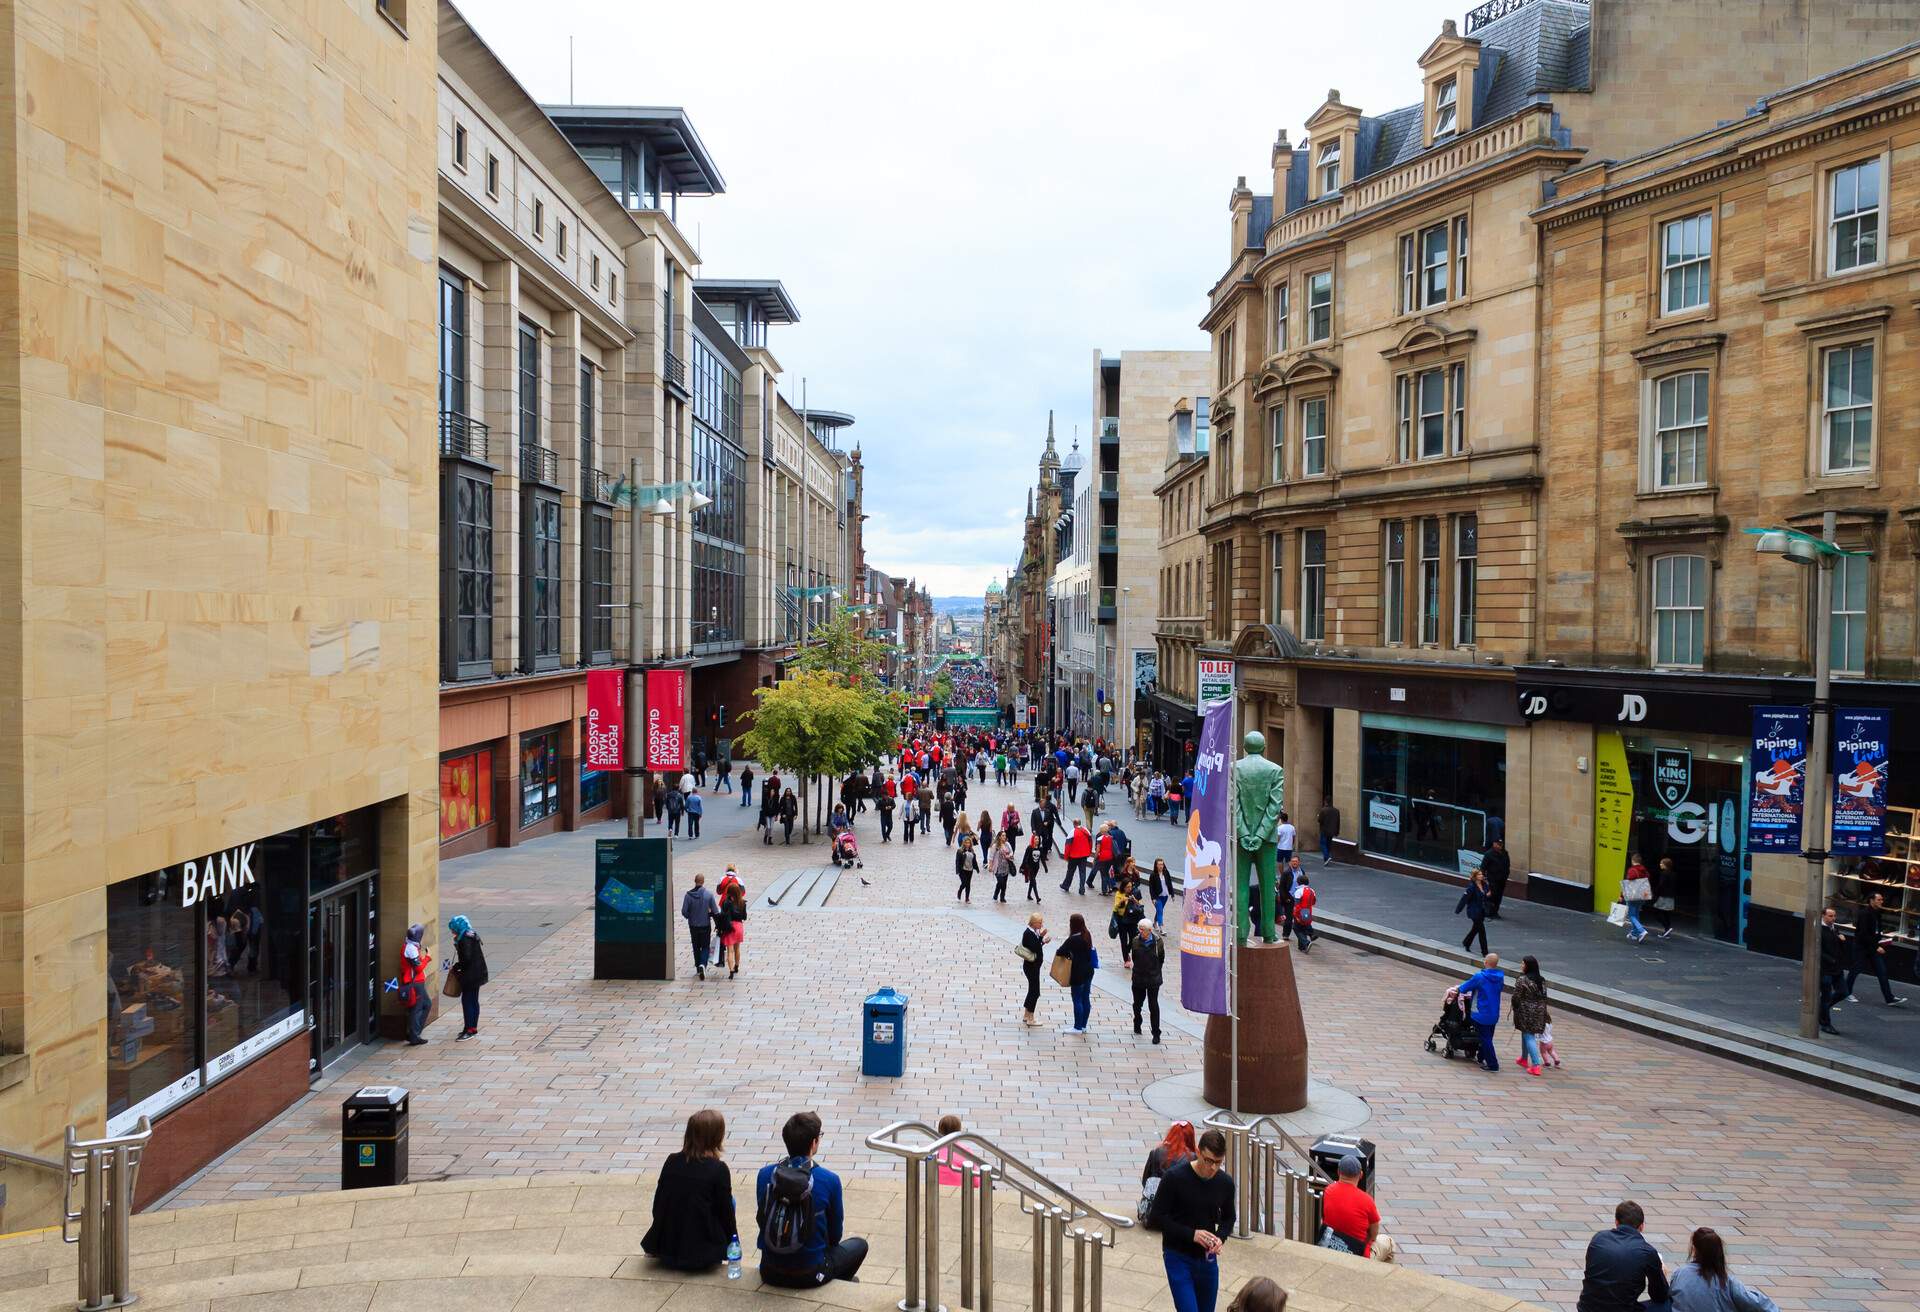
841,646
942,692
816,723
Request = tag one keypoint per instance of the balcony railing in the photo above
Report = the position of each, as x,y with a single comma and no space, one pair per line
462,436
676,370
1109,482
594,484
1109,537
539,465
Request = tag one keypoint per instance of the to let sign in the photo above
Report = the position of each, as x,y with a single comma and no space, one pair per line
606,716
1214,680
666,719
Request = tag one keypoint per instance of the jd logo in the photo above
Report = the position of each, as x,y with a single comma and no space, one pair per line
1533,705
1632,707
1672,775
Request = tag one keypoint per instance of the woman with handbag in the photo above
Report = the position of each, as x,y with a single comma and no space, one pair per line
1077,954
966,863
1002,865
1033,945
1530,1014
468,974
732,925
1636,890
1030,866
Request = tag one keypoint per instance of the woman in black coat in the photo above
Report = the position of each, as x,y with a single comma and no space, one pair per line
693,1216
1033,951
1078,950
470,965
1476,902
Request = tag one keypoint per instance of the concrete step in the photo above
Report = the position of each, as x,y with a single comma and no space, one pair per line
1787,1055
822,889
780,886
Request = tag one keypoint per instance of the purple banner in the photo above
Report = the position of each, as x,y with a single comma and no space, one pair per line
1209,850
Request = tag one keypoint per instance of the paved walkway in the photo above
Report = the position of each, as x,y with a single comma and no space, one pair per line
1495,1179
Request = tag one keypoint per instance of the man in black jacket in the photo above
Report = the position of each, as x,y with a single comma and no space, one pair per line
1149,967
1498,866
1621,1264
1833,968
1193,1211
1869,951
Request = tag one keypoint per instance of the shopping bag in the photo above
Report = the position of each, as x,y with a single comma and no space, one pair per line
1062,971
1617,914
451,989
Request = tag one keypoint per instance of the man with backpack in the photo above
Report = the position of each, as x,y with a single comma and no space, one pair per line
800,1213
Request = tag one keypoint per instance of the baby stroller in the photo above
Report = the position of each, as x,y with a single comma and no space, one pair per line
1453,1034
846,850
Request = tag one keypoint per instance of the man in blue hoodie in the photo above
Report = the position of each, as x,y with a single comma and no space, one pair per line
1485,989
805,1248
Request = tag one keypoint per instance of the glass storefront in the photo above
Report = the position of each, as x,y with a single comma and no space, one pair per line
539,776
1688,805
466,793
595,785
1428,788
207,960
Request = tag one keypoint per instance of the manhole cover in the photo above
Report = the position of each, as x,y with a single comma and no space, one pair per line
570,1037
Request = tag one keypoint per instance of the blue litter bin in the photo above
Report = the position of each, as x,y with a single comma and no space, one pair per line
883,1038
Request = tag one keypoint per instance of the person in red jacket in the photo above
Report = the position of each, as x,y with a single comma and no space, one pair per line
1304,901
1079,852
1103,859
414,960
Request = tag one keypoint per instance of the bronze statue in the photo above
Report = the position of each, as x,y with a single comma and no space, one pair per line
1259,794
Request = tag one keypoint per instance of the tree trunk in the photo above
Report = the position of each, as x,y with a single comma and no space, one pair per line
806,796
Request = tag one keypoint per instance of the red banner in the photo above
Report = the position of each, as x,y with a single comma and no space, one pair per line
606,719
666,719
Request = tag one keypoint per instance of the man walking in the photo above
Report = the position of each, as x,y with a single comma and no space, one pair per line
1833,969
1329,830
698,908
1193,1211
696,807
1620,1265
746,783
1485,988
1870,949
1497,866
1079,851
1149,968
1304,901
1284,837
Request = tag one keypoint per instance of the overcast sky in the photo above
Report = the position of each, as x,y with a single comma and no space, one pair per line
965,202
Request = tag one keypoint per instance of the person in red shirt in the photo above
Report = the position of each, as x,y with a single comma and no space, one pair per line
1103,859
1079,851
1304,900
1353,1217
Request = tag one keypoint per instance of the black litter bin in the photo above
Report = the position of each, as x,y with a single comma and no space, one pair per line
373,1137
1329,1149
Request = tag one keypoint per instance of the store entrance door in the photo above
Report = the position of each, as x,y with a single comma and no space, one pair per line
341,964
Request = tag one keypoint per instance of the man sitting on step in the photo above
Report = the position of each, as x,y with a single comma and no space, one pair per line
800,1213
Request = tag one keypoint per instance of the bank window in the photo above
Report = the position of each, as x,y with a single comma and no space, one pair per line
1313,584
1679,610
1466,578
1277,577
1846,413
1446,108
1313,437
539,776
1282,295
1393,591
595,785
1680,430
1424,266
1329,166
1430,580
466,793
1686,262
1277,442
254,936
1853,216
152,992
1847,638
1320,306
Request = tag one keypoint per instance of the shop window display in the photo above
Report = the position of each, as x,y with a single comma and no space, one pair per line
151,986
1687,807
466,793
252,954
1426,798
539,776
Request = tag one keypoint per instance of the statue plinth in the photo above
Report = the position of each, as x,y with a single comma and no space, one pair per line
1273,1037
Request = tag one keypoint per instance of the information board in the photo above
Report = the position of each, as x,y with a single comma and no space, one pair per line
632,908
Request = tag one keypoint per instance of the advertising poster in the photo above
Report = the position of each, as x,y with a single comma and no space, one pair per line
1861,742
630,905
1777,799
1612,818
606,717
1146,671
1214,680
1203,939
666,719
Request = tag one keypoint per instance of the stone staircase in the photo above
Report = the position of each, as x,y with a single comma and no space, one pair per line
543,1242
806,889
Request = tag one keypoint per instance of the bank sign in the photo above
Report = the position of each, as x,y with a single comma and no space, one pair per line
217,875
1861,742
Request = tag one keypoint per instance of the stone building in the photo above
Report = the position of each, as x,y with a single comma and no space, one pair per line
219,592
1374,502
1723,332
1073,707
1181,586
1028,613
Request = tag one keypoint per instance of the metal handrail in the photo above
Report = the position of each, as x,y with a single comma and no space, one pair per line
1229,1122
108,1169
1054,1208
1276,1197
28,1159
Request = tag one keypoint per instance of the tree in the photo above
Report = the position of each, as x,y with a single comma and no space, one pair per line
814,723
840,645
942,694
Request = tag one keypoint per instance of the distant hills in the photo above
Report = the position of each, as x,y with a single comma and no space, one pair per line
958,606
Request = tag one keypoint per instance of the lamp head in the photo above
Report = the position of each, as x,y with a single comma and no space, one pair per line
661,507
698,500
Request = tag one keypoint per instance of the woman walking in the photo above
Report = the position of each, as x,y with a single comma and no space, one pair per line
909,817
470,968
1159,885
732,925
1128,912
949,815
1636,890
1002,867
1033,946
789,812
1476,902
1665,880
966,863
1704,1285
1030,867
1010,825
983,830
1530,1015
1078,950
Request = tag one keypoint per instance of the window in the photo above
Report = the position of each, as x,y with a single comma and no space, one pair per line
1277,577
1446,108
1226,355
460,146
152,989
1846,419
1853,216
453,346
1329,165
593,279
1686,263
1466,578
1393,590
1847,639
1313,437
529,384
1281,298
539,219
1430,580
1424,266
540,584
1432,409
1680,430
1679,610
560,240
466,793
395,12
589,471
1277,441
493,175
539,776
613,285
1460,257
1313,584
1320,306
597,574
468,573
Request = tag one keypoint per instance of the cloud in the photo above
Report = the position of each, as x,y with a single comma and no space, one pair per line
966,203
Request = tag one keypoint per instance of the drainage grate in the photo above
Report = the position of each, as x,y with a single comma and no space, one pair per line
569,1038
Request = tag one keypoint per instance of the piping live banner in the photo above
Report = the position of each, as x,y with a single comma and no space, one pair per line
1203,939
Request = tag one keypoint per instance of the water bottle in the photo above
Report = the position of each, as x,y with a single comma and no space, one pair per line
733,1258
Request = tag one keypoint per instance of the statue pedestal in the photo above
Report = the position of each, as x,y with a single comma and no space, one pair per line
1273,1037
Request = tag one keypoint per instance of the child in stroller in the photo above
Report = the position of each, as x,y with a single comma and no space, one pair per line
846,849
1453,1035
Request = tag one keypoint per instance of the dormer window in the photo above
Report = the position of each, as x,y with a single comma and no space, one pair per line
1446,108
1328,162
